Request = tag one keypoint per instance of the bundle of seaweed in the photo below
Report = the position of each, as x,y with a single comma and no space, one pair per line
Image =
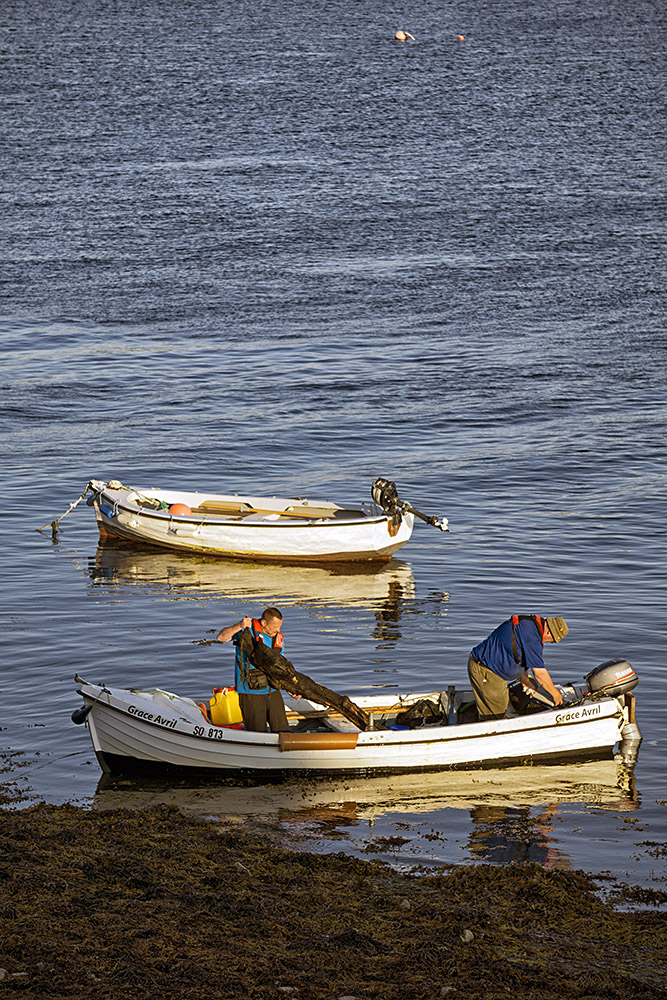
283,675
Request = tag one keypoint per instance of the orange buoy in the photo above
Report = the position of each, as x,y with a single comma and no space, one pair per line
180,508
400,36
461,38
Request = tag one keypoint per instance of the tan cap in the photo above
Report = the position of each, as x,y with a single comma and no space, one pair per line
557,627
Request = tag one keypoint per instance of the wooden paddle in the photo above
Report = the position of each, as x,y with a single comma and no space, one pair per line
222,507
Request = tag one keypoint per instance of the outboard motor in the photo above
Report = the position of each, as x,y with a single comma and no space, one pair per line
385,495
613,677
617,678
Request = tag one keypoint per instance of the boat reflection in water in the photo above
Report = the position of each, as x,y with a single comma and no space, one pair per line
512,834
489,814
350,584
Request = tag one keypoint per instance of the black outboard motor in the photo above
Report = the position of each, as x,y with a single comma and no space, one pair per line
385,495
613,677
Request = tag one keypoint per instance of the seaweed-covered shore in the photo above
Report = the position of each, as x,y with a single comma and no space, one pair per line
155,903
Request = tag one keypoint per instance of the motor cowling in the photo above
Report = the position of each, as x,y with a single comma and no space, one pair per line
613,677
384,494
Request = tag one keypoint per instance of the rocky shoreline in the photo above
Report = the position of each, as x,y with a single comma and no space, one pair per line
154,903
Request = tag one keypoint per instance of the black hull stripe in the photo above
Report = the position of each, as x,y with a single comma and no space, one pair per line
118,764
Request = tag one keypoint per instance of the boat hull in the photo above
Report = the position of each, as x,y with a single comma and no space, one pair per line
156,730
266,529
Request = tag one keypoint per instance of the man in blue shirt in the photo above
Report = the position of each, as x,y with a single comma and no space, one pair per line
260,704
513,651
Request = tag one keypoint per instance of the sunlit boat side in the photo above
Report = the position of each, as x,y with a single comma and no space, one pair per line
256,527
133,729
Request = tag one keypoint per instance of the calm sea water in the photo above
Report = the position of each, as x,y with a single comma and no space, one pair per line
265,247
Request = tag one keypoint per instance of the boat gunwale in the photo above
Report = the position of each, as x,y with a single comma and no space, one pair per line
399,737
242,520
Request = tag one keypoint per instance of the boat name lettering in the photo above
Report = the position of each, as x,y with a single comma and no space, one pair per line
578,713
140,713
149,717
170,723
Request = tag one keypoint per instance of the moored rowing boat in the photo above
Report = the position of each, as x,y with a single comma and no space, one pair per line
257,527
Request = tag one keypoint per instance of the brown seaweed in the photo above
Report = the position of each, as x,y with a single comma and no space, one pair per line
283,675
154,903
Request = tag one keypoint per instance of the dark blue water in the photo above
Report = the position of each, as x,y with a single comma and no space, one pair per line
266,248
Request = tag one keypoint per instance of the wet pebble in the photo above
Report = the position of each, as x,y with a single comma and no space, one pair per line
467,936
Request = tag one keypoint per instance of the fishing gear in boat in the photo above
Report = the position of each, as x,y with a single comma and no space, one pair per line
385,495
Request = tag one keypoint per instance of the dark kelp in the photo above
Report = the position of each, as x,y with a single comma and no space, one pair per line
146,904
282,675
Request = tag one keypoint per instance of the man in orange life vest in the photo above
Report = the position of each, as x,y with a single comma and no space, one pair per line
513,652
261,705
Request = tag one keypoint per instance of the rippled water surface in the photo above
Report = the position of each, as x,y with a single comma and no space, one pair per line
267,248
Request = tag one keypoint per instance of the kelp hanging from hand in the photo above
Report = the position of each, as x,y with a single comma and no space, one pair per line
282,674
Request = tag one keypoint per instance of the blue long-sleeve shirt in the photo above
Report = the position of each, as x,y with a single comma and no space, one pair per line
496,652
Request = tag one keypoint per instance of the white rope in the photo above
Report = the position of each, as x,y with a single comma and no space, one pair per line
53,525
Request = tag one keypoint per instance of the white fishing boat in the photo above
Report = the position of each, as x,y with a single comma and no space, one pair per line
287,529
135,729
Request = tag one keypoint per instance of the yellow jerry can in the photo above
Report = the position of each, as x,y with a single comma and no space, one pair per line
224,707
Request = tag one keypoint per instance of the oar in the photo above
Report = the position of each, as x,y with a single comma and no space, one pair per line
304,513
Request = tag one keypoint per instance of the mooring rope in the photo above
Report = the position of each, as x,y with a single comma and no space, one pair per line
53,525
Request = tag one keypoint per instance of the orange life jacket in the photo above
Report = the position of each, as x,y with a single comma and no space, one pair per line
257,630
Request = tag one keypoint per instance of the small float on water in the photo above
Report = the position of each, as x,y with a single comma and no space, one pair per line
148,730
287,529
